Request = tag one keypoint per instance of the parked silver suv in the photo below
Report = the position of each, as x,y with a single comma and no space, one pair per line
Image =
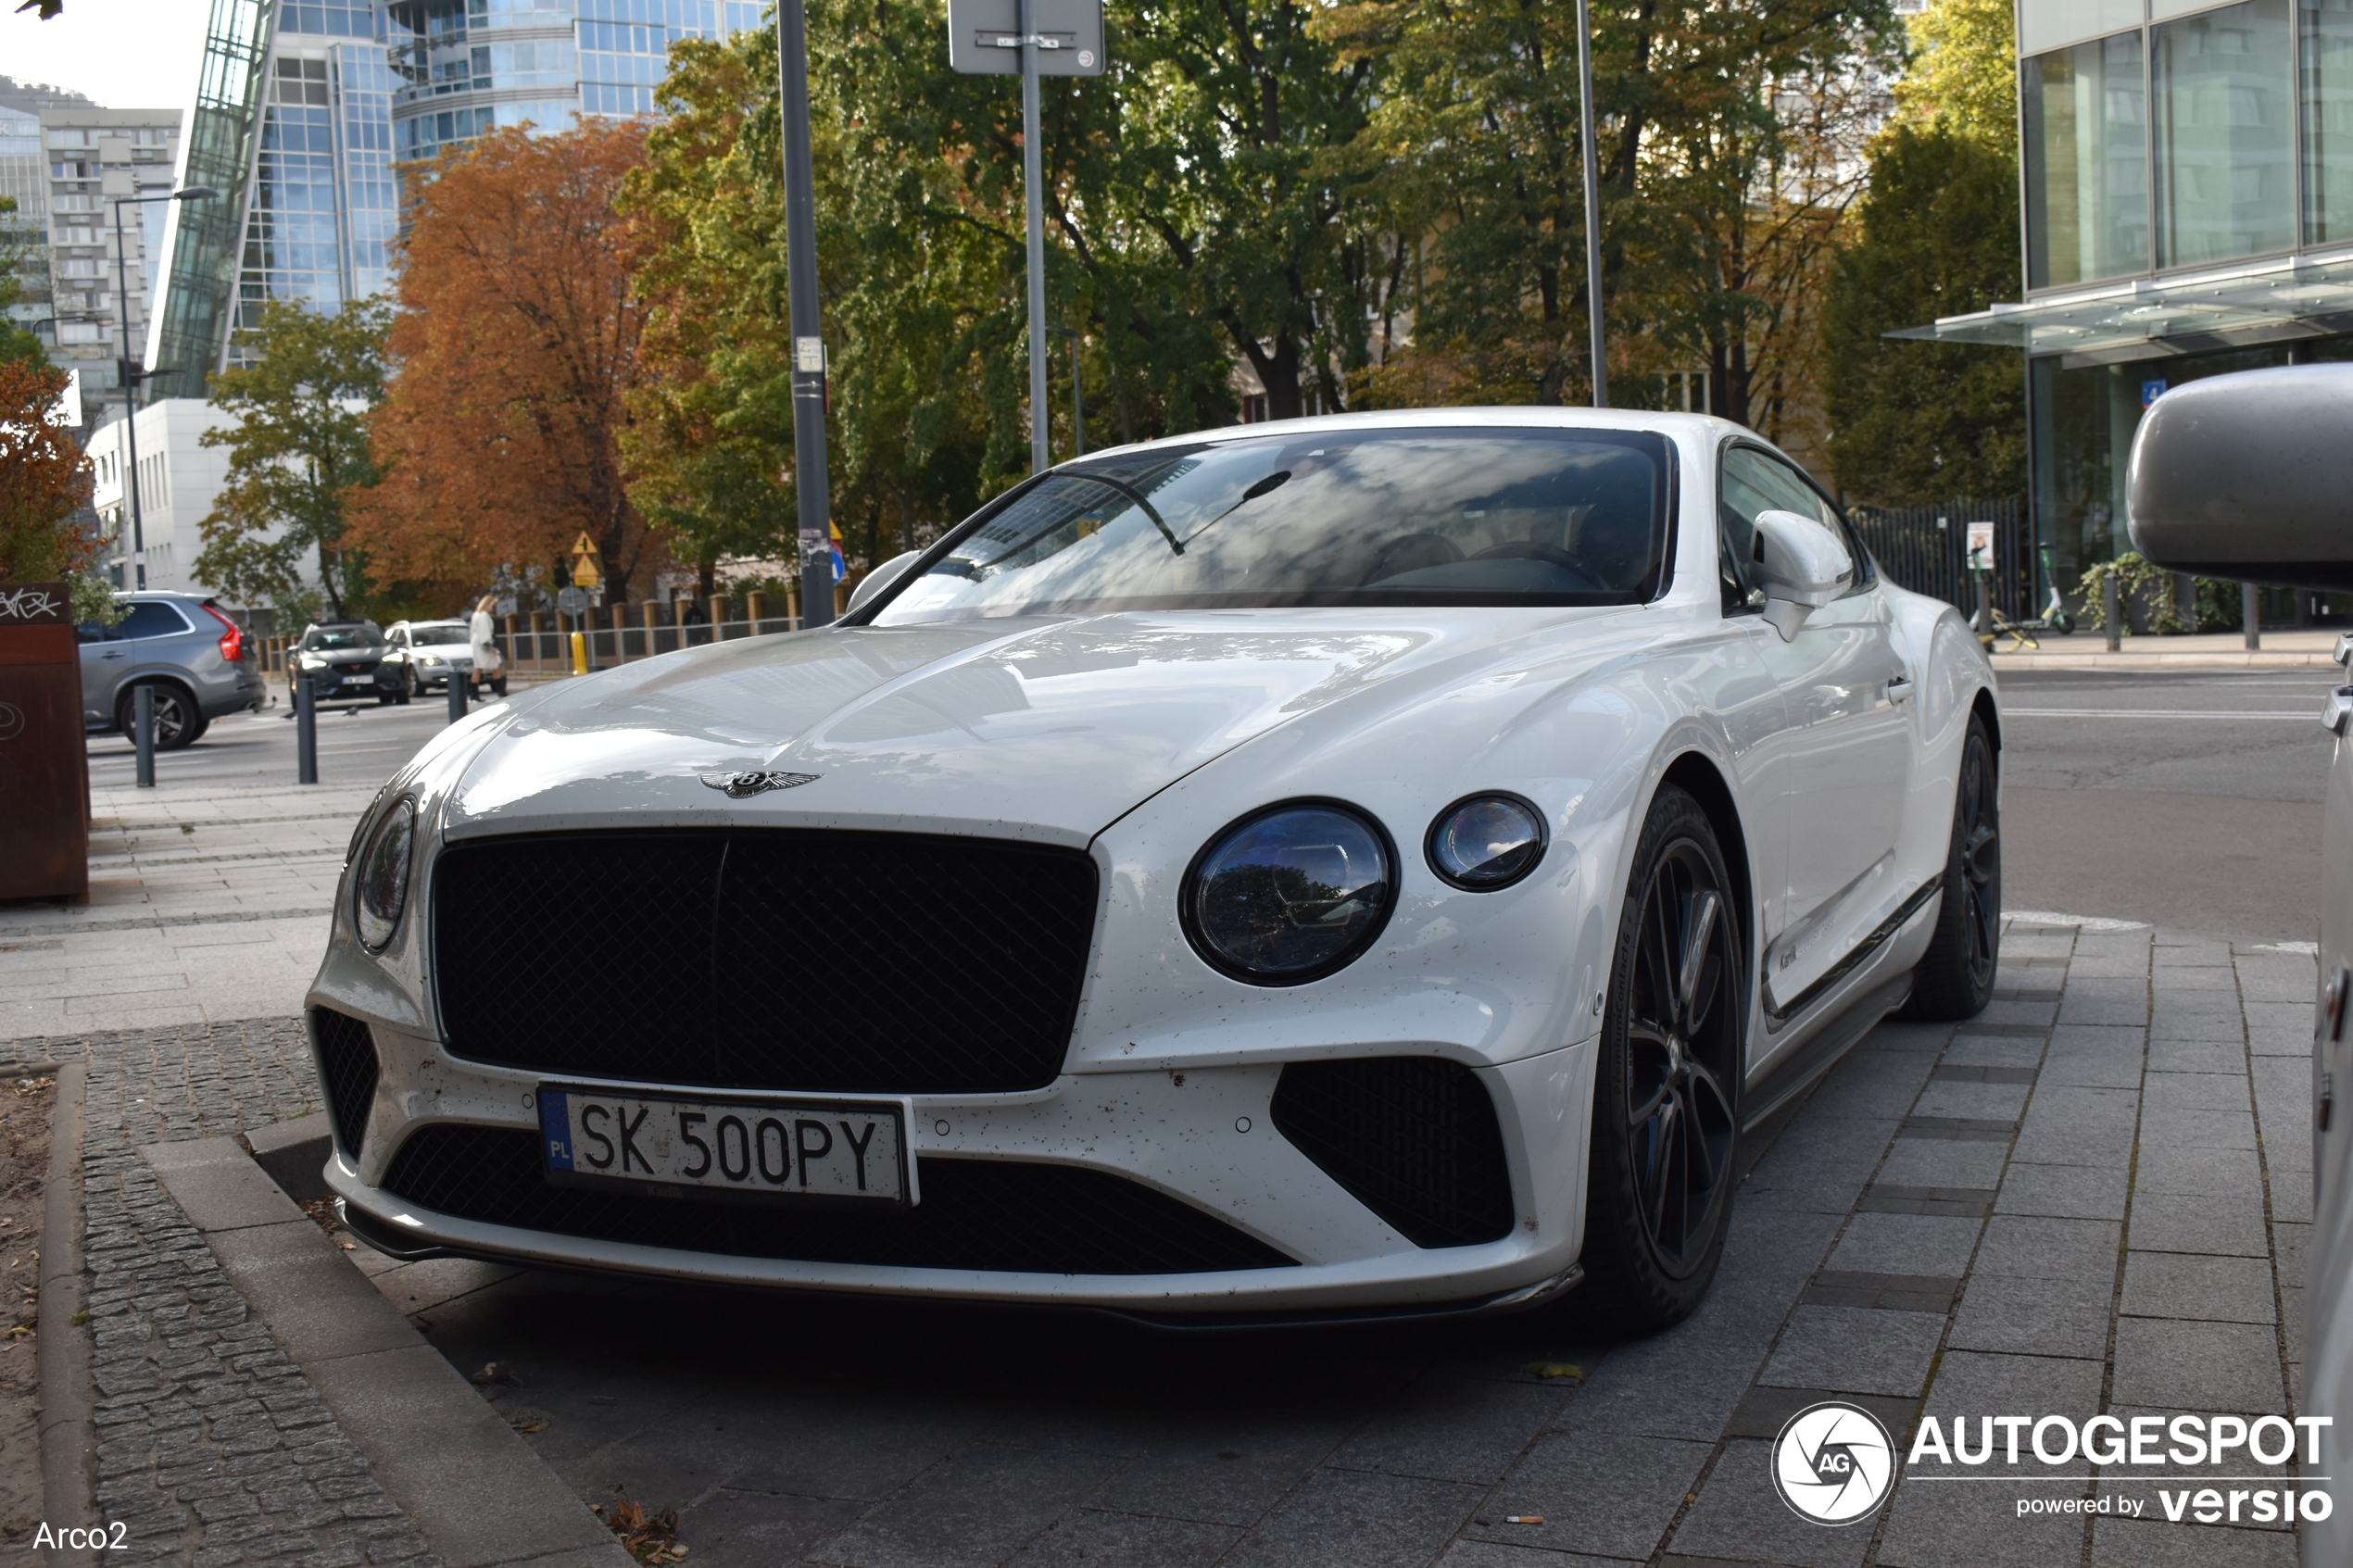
197,659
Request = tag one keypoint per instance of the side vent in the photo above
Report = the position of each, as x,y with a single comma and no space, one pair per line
1411,1138
347,1069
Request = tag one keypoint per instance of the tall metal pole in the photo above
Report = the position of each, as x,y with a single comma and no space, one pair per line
1077,402
129,400
1041,414
812,488
1593,202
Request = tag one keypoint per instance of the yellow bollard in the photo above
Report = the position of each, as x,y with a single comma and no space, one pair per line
579,653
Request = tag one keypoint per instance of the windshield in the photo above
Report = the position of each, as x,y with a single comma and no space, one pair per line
330,637
428,633
1402,517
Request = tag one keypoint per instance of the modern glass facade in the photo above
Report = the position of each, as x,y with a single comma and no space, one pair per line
305,108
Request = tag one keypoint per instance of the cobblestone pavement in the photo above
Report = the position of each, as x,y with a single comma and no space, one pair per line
2091,1199
212,1450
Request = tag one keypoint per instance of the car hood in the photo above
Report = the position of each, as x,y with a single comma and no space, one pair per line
1043,729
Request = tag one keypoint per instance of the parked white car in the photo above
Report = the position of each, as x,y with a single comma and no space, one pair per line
1355,865
424,654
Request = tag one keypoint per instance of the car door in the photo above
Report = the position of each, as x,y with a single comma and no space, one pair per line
104,661
1849,749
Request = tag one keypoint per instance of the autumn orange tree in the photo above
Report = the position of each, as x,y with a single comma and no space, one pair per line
43,477
513,355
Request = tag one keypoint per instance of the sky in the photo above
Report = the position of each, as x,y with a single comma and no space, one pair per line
125,53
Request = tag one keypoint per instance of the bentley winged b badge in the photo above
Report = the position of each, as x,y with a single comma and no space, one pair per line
743,786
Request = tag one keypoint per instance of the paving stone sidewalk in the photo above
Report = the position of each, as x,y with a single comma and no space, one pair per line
2091,1199
212,1449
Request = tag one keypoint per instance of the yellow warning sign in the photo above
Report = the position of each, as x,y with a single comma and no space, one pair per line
587,565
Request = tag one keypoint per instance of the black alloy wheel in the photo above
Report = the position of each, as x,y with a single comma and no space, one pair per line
177,723
1667,1088
1955,978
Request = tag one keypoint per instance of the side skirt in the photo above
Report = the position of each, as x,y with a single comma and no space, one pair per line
1817,1054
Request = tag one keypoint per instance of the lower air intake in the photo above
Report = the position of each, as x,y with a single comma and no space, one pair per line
347,1069
1003,1216
1413,1138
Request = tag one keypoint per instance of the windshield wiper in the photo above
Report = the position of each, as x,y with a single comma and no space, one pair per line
1137,496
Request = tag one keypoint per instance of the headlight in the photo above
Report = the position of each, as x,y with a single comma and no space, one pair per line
309,662
383,883
1486,841
429,660
1289,893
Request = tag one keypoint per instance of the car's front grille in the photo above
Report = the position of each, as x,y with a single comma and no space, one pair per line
347,1069
1414,1137
361,667
1001,1216
887,963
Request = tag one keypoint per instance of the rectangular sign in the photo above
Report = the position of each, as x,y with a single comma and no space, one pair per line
1981,547
984,37
851,1150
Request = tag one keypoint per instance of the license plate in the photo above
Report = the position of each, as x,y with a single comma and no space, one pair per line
358,680
850,1150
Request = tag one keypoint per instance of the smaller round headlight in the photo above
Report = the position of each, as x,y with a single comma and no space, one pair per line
1486,841
382,882
1291,894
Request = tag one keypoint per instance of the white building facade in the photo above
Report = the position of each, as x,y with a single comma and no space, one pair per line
178,481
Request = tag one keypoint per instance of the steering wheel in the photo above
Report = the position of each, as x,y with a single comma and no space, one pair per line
1412,552
1526,549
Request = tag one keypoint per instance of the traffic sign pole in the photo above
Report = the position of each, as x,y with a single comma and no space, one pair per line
812,488
1041,411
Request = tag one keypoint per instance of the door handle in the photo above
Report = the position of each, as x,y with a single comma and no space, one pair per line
110,656
1899,688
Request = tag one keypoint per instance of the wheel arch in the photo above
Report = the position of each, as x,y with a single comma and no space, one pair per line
1984,707
127,692
1695,774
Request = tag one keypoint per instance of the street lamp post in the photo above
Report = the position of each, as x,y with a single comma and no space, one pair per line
812,487
133,373
1593,202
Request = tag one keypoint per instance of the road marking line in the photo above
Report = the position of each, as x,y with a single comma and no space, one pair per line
2312,718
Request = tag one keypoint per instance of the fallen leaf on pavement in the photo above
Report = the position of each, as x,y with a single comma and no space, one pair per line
493,1372
650,1538
531,1426
1555,1369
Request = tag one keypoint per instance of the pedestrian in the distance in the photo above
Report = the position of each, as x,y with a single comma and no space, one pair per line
490,666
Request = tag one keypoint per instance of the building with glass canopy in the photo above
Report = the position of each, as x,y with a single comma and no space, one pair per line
2187,195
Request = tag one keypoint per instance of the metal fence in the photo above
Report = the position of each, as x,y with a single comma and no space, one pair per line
1926,549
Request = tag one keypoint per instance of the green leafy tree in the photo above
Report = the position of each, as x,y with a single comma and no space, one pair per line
1964,75
298,447
1913,422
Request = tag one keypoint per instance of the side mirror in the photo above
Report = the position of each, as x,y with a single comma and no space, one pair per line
2249,476
1801,565
881,577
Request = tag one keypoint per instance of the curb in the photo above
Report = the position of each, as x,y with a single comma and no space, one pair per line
479,1494
2129,659
67,1427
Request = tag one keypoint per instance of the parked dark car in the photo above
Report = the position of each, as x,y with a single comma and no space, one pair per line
195,657
346,660
424,652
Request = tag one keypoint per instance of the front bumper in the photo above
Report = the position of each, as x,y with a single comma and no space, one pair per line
1206,1138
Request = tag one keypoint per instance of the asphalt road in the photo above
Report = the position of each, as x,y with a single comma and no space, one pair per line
2188,801
357,746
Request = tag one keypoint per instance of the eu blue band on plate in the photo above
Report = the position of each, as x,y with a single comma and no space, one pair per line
555,1125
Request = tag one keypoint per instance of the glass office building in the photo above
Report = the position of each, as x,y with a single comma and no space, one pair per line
2187,195
305,107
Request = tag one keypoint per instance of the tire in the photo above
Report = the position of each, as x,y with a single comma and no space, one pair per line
177,722
1666,1087
1955,978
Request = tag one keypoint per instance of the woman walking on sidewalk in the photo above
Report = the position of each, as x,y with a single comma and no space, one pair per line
489,665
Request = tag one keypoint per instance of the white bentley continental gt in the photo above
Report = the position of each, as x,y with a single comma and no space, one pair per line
1355,866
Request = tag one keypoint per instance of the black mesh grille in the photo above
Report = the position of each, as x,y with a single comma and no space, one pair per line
877,963
1411,1137
997,1215
348,1068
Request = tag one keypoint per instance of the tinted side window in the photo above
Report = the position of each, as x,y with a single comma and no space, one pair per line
153,618
1755,480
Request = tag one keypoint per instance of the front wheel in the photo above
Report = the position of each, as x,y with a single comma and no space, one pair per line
177,722
1955,978
1666,1087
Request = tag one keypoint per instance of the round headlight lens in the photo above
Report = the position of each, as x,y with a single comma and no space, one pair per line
384,874
1487,842
1291,894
